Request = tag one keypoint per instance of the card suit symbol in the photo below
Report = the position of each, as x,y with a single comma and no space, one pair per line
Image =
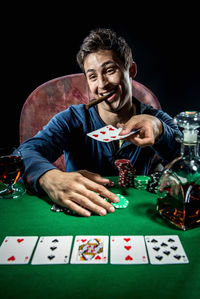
159,257
97,257
127,247
144,258
11,259
127,239
95,135
166,252
103,132
156,248
55,241
6,240
51,257
20,240
171,240
83,240
128,258
177,256
174,248
113,137
111,129
154,241
65,258
163,244
53,247
106,139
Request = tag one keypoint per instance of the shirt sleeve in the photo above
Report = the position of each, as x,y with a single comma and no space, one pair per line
40,151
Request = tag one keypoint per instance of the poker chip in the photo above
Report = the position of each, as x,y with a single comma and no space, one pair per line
141,182
126,172
122,204
153,183
57,208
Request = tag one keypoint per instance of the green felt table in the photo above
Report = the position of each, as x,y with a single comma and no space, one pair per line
31,216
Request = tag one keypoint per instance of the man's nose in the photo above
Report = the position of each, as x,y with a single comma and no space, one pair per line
102,81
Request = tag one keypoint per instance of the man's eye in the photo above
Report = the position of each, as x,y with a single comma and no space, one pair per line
92,77
110,70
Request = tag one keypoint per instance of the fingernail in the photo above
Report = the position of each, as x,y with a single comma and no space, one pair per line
116,199
111,209
87,214
102,212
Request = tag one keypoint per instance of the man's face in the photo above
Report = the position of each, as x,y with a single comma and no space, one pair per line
106,74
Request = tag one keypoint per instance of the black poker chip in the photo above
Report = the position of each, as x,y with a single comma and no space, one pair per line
152,186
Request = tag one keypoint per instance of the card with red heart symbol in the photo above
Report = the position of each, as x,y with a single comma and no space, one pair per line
90,250
109,133
128,250
17,250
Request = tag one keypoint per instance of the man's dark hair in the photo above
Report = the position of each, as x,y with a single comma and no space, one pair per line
105,39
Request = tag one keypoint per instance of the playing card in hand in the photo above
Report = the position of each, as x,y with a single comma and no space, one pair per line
128,250
90,250
109,133
165,250
17,250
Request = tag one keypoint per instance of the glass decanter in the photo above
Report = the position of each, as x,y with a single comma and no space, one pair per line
179,186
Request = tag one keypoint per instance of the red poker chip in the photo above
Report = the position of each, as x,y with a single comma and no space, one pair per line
126,172
124,164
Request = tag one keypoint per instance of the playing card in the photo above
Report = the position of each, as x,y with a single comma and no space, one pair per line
128,250
90,250
52,250
165,250
109,133
17,250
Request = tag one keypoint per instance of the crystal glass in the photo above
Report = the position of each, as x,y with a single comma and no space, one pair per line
11,170
179,186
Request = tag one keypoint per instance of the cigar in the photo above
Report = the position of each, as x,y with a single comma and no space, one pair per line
97,101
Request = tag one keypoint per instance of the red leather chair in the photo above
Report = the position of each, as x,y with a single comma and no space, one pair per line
58,94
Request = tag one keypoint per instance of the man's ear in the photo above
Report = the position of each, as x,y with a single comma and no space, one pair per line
133,70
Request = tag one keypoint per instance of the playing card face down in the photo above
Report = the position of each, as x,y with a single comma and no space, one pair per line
165,249
128,250
17,250
52,250
90,250
108,134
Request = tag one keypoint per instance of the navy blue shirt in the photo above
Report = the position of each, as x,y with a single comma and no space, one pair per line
67,133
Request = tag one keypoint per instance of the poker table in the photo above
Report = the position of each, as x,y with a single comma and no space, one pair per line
32,216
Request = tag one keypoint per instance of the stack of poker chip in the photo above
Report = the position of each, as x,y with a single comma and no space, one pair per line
141,182
57,208
126,172
154,180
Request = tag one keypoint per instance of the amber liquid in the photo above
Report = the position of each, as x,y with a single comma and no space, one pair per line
183,213
11,169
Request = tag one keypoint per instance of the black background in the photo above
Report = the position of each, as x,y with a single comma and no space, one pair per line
40,43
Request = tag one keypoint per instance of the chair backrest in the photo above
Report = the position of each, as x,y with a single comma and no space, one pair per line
58,94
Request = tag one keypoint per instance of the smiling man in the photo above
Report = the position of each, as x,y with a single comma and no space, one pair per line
107,62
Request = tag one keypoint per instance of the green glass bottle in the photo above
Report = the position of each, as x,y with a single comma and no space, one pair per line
179,186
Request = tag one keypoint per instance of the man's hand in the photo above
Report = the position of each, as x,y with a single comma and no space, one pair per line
76,191
150,129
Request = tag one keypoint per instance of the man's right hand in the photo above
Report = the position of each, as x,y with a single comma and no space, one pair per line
78,191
